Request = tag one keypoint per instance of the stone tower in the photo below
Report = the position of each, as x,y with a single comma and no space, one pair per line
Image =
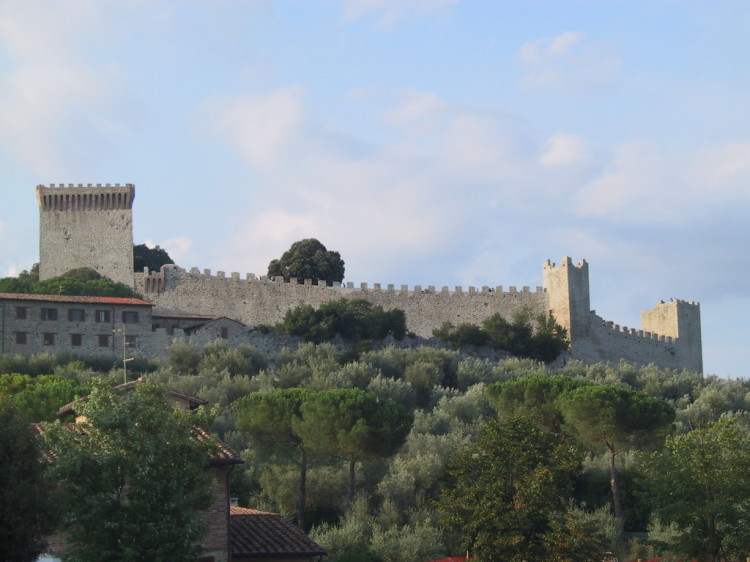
568,297
681,320
86,227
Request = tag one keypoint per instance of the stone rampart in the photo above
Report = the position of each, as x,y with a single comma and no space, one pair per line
260,300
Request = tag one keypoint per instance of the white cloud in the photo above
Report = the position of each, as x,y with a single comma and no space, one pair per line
178,248
641,184
567,62
563,149
541,51
260,126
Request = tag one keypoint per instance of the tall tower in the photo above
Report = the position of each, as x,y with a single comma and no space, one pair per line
86,227
568,297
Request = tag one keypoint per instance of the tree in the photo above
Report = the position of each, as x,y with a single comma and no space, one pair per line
510,493
534,396
24,511
615,419
131,477
355,320
352,424
152,258
700,483
308,259
269,420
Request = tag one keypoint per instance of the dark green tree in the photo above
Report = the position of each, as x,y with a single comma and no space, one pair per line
24,510
510,493
308,259
352,424
152,258
131,477
534,396
269,420
700,482
355,320
613,419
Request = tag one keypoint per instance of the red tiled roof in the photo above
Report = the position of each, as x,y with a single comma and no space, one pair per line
259,533
75,298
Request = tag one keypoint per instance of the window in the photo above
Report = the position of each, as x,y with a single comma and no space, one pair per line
49,314
48,339
76,315
129,317
131,341
224,332
20,337
76,340
103,316
103,340
21,312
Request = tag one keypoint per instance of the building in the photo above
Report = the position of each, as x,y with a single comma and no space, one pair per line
60,323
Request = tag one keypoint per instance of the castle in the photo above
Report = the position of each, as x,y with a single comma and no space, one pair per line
91,226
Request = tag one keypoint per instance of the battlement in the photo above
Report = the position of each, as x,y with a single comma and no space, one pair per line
153,282
88,198
565,263
617,330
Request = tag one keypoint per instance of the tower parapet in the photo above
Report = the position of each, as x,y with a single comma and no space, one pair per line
86,226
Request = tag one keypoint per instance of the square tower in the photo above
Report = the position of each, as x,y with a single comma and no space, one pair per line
86,227
567,287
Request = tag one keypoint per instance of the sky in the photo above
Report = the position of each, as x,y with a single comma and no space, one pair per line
430,142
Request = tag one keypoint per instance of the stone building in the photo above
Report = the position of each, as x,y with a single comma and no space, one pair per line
87,325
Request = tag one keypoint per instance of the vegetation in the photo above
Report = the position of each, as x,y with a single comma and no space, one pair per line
136,462
308,259
25,514
152,258
295,418
509,496
355,320
700,486
542,342
81,281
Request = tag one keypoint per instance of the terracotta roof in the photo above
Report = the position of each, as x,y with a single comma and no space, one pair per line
76,299
259,533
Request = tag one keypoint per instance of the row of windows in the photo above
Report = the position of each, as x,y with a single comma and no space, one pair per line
78,315
76,340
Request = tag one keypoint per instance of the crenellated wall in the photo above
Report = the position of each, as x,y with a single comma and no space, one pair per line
260,300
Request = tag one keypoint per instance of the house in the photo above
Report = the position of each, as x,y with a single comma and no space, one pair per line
261,536
83,324
243,531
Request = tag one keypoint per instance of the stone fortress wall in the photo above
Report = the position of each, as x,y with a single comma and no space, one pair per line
670,336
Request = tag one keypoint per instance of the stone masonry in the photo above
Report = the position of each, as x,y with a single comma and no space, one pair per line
86,227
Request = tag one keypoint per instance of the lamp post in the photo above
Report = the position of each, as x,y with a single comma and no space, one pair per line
124,353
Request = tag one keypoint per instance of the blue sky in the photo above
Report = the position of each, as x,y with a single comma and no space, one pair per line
430,142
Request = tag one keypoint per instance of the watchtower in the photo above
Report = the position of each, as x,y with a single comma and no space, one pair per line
567,287
89,226
681,320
